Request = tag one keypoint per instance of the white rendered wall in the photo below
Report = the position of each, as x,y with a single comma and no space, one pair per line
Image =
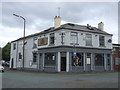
27,51
108,45
67,41
13,55
20,50
81,39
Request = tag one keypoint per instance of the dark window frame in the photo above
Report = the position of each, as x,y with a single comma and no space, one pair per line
99,59
88,40
20,55
14,46
72,34
108,60
34,57
52,39
50,59
101,41
78,60
34,44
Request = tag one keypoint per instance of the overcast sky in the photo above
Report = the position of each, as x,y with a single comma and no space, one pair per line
40,16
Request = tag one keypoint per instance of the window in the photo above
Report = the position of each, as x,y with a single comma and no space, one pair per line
108,59
34,57
74,37
14,46
101,41
77,60
50,59
88,58
99,60
52,39
35,42
88,40
42,41
62,38
20,56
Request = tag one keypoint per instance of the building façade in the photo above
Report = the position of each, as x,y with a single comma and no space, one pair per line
68,47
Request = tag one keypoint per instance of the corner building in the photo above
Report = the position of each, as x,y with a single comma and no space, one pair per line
68,47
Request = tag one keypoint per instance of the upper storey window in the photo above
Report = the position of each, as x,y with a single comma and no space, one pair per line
74,37
52,39
14,46
35,42
101,41
88,39
43,41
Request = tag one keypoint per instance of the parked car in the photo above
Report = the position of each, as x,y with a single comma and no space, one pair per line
2,62
7,63
1,68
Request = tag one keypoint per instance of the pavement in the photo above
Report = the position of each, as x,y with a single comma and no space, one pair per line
27,79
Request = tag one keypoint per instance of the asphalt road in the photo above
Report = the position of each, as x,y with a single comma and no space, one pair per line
22,79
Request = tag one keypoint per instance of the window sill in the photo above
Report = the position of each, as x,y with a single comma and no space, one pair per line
51,44
34,63
42,45
50,66
99,65
77,66
74,44
102,46
90,45
34,47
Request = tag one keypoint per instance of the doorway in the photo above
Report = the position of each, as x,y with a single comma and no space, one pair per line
88,61
108,62
12,63
63,63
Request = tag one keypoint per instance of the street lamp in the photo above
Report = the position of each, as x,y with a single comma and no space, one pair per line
23,35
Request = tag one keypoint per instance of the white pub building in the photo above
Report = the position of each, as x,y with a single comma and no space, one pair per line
68,47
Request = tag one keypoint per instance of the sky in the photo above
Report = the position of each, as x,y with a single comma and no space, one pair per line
40,16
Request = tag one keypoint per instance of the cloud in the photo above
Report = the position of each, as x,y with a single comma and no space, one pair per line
70,11
40,15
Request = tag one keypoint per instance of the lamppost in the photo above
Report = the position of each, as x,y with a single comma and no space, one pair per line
23,35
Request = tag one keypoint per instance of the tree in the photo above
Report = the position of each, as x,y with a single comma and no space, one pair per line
6,52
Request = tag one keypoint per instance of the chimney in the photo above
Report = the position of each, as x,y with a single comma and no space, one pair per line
57,21
101,26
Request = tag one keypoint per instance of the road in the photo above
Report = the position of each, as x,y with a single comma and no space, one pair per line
23,79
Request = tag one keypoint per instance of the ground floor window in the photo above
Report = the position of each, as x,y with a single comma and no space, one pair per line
88,58
108,59
99,59
50,59
77,60
34,57
20,55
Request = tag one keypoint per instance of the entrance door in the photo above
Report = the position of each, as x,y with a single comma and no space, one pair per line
40,60
12,63
63,63
88,62
108,62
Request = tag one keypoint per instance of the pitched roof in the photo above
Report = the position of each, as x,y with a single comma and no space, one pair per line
69,26
84,28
